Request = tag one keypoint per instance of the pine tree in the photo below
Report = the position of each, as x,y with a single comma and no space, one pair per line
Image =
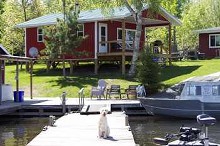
62,38
148,72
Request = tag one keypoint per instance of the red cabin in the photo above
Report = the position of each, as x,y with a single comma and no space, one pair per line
209,42
104,32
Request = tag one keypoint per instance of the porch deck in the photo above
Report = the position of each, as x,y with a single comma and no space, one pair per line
115,54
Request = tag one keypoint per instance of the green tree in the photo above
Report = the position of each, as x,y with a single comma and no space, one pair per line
17,11
148,72
176,8
197,15
1,20
56,6
12,38
61,39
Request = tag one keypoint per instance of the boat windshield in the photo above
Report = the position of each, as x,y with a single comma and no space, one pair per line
177,89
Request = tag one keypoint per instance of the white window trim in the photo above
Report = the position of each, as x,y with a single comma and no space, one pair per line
127,42
210,35
40,35
125,32
81,31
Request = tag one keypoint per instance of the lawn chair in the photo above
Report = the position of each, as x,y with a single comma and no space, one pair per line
114,90
131,91
99,91
141,91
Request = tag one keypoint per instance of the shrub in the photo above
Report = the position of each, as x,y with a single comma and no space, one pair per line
148,72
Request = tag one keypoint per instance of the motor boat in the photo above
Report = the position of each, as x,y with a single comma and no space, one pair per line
194,96
189,136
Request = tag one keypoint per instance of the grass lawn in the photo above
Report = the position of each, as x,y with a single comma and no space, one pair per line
52,84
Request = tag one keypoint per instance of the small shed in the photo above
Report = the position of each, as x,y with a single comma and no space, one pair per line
3,51
6,92
209,41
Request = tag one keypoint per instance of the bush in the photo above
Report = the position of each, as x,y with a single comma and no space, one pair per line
148,72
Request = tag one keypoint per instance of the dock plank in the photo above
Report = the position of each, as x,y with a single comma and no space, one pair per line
76,129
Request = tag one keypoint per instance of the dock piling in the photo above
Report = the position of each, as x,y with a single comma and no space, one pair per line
52,120
63,99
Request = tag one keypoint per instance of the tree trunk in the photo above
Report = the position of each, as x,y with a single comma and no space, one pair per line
132,69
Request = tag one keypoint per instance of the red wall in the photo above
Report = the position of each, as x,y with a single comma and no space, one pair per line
88,44
204,46
31,40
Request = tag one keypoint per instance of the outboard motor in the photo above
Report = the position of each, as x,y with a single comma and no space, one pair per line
189,134
206,121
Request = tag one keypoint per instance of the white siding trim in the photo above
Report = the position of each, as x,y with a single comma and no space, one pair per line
96,38
25,42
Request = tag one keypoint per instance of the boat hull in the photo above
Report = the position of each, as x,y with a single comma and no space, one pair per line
179,108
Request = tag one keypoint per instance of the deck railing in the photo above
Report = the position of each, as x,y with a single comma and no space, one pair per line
116,46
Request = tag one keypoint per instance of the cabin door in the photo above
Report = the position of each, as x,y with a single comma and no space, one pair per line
103,38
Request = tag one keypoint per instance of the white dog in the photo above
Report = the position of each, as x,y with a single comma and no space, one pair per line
103,127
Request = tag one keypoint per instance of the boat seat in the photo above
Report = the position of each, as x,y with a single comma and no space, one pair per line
206,120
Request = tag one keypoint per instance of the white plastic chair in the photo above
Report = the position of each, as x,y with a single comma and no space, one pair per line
99,91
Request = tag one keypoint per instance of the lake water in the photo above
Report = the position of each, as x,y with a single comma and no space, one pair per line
144,129
20,131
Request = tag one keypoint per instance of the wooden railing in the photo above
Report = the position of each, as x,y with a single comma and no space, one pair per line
116,46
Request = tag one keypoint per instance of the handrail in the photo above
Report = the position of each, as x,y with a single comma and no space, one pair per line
81,98
109,43
128,44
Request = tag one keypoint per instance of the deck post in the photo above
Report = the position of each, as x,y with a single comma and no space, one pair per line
31,80
1,81
17,80
170,41
96,66
96,48
123,48
71,67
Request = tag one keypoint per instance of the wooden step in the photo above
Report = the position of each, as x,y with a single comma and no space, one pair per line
94,108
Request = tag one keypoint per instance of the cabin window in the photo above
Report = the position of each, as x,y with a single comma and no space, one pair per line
129,37
80,31
194,90
119,34
214,40
216,90
40,35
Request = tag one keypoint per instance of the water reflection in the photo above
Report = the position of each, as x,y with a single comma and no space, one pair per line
144,129
20,131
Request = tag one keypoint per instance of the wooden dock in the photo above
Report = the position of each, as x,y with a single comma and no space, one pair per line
53,106
76,129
